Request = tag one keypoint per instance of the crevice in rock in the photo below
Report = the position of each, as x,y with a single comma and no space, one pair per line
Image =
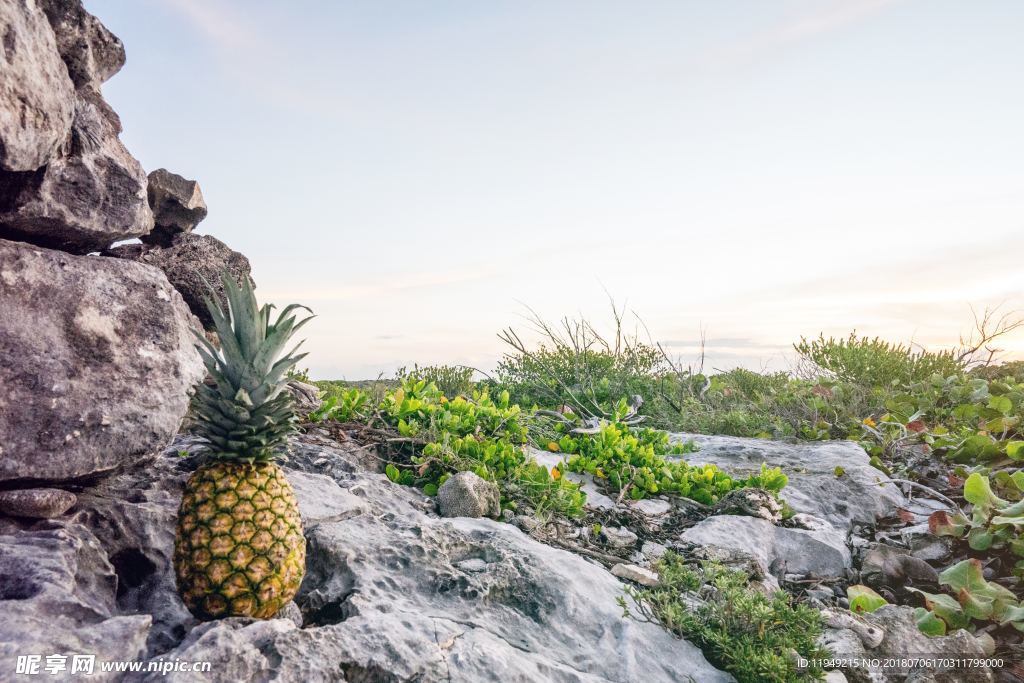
357,673
133,568
332,612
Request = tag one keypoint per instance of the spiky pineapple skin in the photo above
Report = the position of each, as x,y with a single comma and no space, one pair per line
239,548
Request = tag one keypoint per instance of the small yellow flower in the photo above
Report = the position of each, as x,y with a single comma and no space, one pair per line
555,473
553,447
868,422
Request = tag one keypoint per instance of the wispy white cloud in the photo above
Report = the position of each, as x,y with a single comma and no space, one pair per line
824,19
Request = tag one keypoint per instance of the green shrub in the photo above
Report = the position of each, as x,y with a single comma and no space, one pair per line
875,362
739,629
576,366
636,460
451,380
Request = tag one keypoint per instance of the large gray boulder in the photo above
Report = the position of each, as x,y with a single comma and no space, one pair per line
36,96
177,204
91,53
78,189
859,493
88,197
96,361
193,264
58,595
776,550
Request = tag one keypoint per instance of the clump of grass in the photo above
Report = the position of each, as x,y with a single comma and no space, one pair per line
753,636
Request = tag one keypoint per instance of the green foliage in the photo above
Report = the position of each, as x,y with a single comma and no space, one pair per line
994,524
245,415
479,433
576,366
863,599
589,380
875,362
739,629
968,420
638,460
451,380
346,405
977,599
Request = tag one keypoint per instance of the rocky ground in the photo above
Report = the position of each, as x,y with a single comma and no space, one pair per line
96,364
394,591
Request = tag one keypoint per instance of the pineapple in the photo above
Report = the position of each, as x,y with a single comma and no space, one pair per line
239,548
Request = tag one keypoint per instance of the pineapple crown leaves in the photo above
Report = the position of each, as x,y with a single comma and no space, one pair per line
246,416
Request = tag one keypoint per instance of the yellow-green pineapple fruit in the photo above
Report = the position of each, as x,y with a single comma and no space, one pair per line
239,548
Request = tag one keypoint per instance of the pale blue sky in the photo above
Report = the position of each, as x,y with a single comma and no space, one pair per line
417,171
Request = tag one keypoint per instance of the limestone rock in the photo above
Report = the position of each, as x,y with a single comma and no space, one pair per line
652,507
885,565
36,503
85,199
631,572
619,537
822,553
392,592
96,360
467,495
91,53
750,502
37,99
292,613
58,592
177,204
901,639
307,396
862,494
193,264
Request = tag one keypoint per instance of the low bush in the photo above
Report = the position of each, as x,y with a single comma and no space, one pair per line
451,380
875,362
642,462
751,635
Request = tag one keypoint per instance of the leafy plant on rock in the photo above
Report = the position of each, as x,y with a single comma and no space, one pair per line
739,628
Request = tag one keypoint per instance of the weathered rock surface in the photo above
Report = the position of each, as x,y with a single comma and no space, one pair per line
861,494
392,592
75,186
631,572
776,550
751,503
193,264
87,198
96,359
57,591
903,639
36,503
177,204
36,96
91,53
468,495
307,396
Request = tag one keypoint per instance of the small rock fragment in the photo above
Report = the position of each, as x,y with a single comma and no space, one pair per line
466,494
652,550
619,537
749,502
177,203
292,613
36,503
631,572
